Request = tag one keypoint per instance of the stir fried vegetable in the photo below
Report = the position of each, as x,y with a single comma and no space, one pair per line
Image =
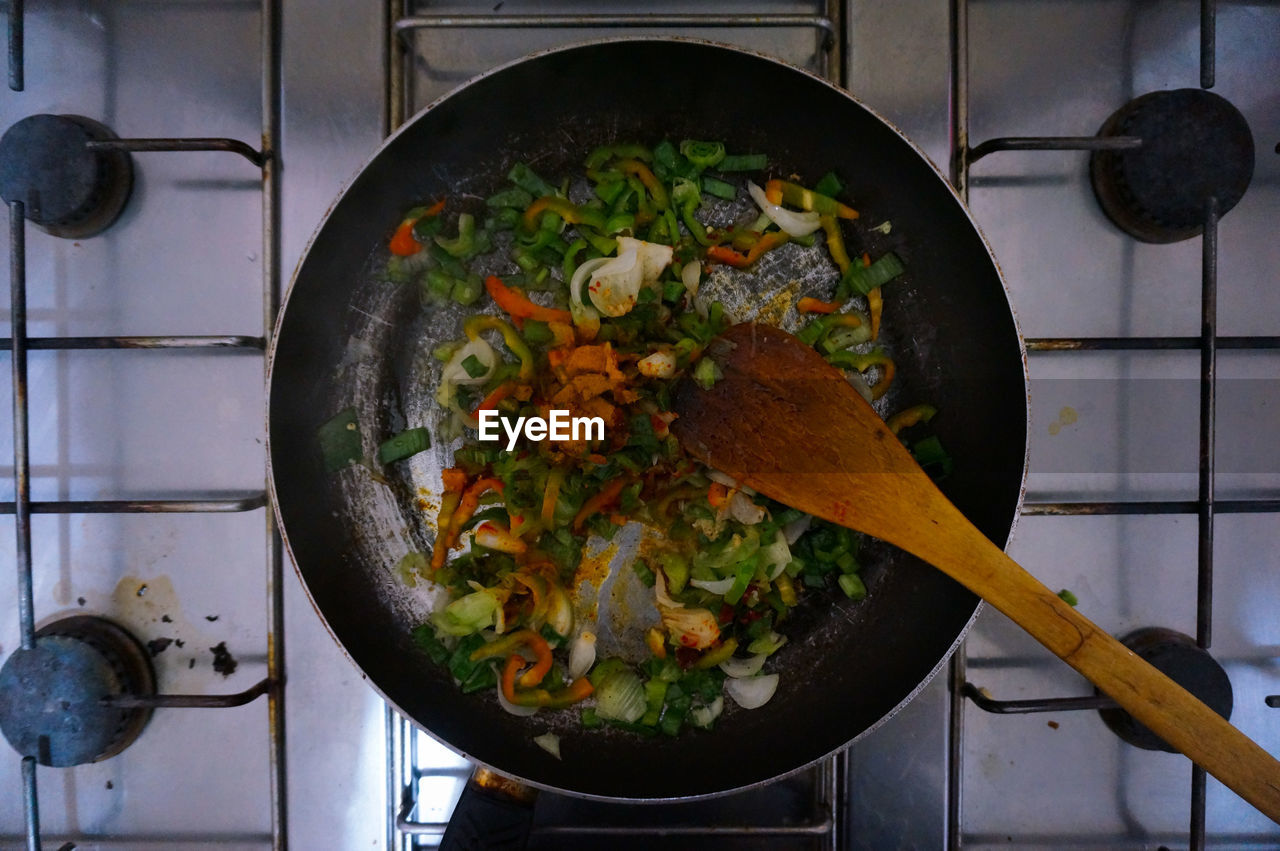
598,312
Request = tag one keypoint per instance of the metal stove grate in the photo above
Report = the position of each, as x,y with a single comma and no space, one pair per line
266,160
1205,507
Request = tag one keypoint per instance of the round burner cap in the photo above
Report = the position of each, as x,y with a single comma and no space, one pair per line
50,695
1195,146
1191,667
65,188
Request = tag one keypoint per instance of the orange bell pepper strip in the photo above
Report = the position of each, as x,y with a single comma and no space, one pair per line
455,483
467,506
551,496
403,243
565,209
813,305
726,255
768,242
909,417
647,177
518,305
835,243
806,199
597,502
495,396
875,302
579,689
509,643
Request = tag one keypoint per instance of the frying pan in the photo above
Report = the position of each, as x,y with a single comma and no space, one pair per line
347,338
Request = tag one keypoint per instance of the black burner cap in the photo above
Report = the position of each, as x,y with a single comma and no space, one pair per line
1195,146
51,695
1177,656
67,189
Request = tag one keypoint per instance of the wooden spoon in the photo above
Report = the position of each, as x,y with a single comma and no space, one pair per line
788,424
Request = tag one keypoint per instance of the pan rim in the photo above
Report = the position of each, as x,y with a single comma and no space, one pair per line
457,91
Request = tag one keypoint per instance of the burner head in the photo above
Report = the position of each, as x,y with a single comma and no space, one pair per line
67,189
50,696
1194,669
1195,146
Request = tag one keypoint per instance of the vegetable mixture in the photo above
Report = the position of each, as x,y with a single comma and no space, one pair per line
599,316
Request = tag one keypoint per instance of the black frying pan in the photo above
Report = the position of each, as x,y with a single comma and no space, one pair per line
347,338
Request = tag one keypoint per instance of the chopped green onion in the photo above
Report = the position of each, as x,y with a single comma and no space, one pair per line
473,367
707,373
467,291
411,441
644,573
863,279
829,185
528,180
719,188
339,440
511,197
743,162
851,585
1069,598
702,154
424,637
621,697
930,454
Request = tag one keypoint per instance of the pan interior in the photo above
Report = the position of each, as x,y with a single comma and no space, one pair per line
347,338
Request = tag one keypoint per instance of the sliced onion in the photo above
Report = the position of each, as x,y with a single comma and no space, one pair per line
559,611
752,692
658,365
582,654
795,224
615,286
549,742
722,478
742,509
691,275
739,668
455,373
776,556
793,530
584,315
715,586
653,256
702,716
521,711
860,384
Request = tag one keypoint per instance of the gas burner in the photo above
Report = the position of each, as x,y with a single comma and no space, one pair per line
51,695
1189,666
1195,146
67,189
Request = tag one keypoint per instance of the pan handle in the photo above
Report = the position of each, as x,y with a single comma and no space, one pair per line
494,812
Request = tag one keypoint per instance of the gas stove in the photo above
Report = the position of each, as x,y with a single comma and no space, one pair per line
173,158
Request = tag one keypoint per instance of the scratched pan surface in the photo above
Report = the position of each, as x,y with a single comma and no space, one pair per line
348,338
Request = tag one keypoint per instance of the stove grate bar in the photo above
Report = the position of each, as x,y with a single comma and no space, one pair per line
232,342
1053,143
1088,509
138,146
1112,344
22,507
204,505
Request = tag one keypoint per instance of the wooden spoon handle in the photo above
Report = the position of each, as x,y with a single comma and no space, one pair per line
1167,708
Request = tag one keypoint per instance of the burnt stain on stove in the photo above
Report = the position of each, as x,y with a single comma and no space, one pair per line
156,646
223,662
